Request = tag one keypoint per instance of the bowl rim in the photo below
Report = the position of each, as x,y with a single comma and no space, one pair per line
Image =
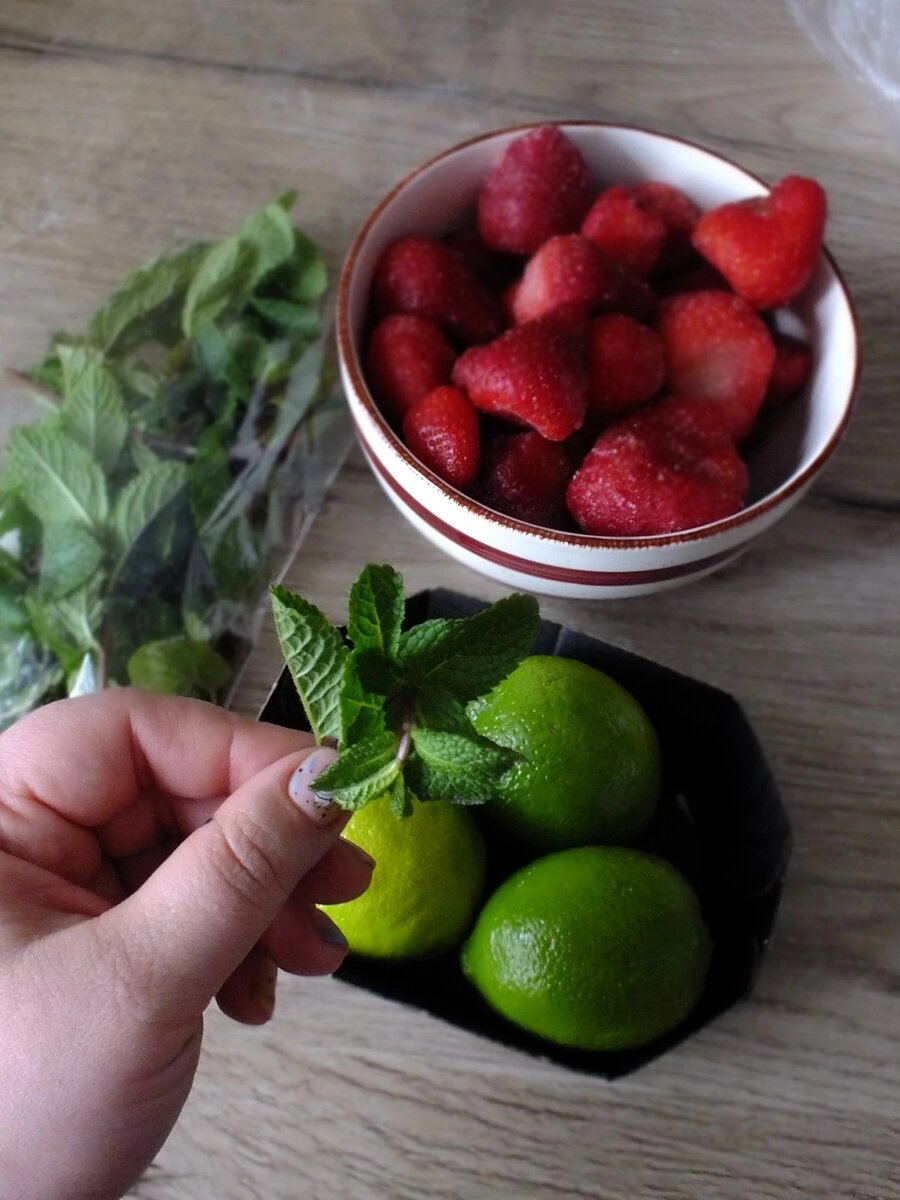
481,511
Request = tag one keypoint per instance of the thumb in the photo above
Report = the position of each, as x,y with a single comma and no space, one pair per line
200,913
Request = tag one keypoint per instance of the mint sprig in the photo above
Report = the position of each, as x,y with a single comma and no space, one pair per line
395,702
142,516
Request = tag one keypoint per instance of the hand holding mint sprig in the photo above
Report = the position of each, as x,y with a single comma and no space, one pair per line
395,700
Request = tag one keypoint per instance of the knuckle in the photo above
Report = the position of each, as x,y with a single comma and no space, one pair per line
248,863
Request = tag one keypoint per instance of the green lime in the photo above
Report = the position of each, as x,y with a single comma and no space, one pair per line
428,879
591,765
601,948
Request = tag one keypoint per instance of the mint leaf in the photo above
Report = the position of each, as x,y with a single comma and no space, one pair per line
70,555
363,771
270,234
68,625
231,269
315,657
308,276
142,500
362,707
93,413
13,617
57,478
400,799
179,666
457,767
376,610
142,293
469,656
295,320
224,273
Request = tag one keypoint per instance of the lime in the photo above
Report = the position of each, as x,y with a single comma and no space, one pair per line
427,882
591,766
600,948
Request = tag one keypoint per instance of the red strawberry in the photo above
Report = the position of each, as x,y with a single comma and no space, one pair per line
705,420
538,188
442,432
625,229
646,475
570,270
626,363
526,478
508,301
793,363
678,214
717,348
767,247
421,276
535,374
407,357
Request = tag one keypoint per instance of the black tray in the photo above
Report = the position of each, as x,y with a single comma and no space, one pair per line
720,821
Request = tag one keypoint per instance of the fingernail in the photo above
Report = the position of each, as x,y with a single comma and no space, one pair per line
328,931
363,857
262,989
319,806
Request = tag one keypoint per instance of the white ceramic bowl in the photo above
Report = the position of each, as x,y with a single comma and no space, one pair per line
439,197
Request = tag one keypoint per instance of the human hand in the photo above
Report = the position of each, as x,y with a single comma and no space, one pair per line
154,852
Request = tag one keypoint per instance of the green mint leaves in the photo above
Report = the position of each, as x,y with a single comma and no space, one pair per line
395,702
142,516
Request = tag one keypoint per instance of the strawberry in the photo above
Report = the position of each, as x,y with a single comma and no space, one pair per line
407,357
420,276
793,363
539,187
442,432
626,363
648,475
625,229
695,418
678,214
570,270
767,247
534,374
717,348
525,477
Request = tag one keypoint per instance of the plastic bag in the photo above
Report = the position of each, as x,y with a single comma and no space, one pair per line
863,38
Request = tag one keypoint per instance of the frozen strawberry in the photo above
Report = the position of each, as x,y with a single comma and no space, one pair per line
442,432
793,363
703,420
625,362
407,357
767,247
420,276
538,188
525,477
534,374
625,229
678,214
570,270
717,348
646,476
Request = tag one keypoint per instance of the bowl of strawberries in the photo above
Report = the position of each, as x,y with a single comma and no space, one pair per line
593,360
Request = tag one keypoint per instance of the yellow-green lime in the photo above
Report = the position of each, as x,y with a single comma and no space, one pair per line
428,879
591,766
601,948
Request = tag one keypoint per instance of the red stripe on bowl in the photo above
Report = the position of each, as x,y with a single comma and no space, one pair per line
527,566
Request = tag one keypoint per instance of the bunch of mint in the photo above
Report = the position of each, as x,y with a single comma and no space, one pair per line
395,700
140,517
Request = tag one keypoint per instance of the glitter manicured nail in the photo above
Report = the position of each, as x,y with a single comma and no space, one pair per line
316,804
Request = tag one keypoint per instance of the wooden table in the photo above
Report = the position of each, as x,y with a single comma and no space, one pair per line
125,126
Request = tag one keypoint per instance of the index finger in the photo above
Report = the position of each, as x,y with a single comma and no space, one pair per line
74,765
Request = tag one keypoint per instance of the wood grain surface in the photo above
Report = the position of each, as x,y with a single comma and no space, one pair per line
125,127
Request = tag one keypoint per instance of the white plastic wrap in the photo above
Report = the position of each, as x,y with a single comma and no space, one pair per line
863,38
